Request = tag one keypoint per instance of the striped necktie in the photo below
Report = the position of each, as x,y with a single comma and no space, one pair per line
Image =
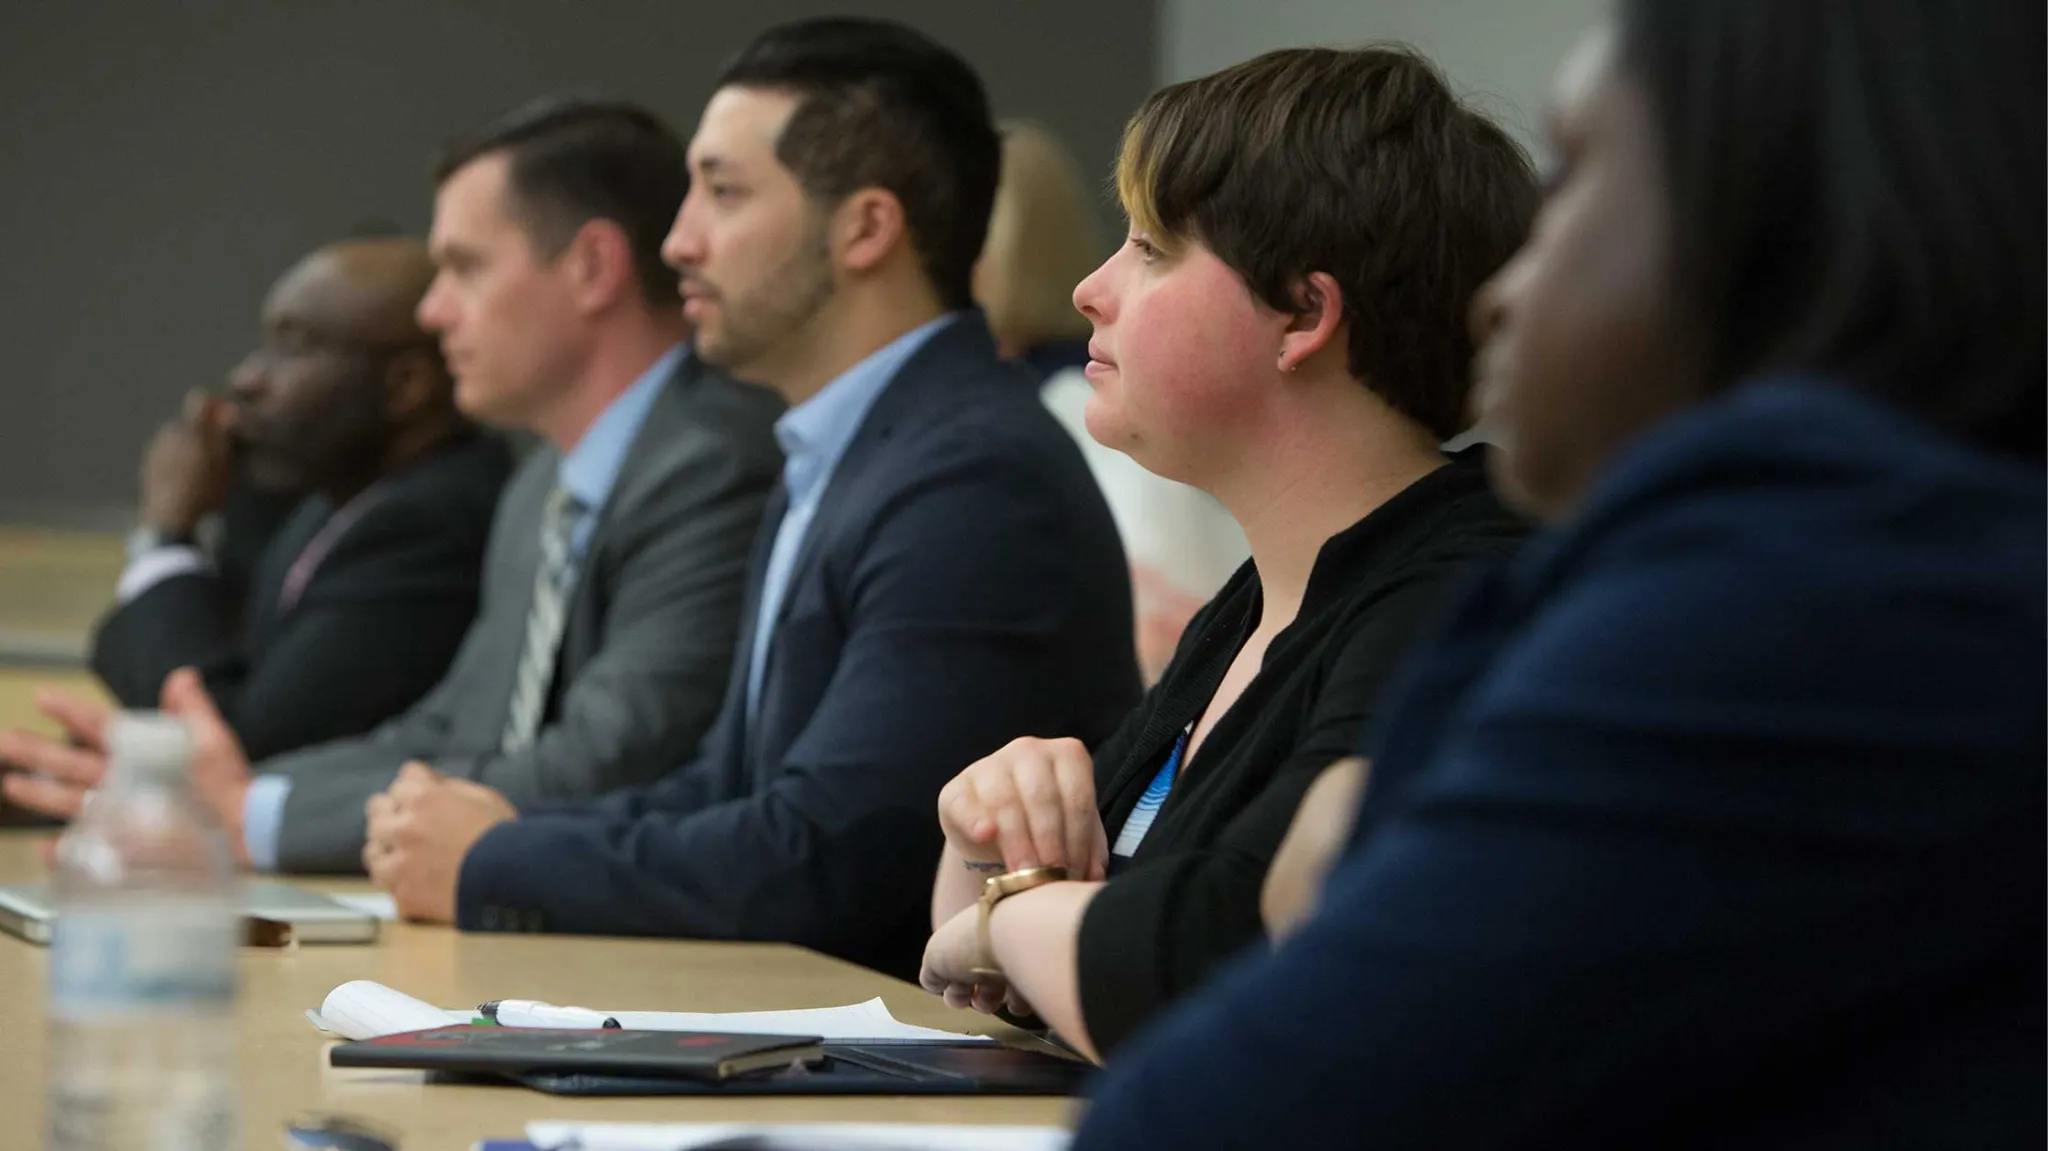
551,586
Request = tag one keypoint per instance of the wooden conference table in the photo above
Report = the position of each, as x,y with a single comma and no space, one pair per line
53,585
18,686
284,1068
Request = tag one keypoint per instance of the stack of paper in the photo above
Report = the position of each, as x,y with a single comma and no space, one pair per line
366,1010
562,1136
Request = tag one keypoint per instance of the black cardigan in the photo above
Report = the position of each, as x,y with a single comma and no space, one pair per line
1189,897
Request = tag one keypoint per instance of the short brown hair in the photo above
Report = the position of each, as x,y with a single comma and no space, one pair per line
573,159
881,105
1359,163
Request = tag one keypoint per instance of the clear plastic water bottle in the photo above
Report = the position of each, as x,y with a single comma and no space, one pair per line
142,962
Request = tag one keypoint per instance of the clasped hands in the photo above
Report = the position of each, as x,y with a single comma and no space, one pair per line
417,833
1031,804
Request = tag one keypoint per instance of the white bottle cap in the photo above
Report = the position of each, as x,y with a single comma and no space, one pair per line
149,743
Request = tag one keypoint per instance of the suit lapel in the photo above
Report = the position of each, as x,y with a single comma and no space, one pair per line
521,557
919,385
298,531
512,569
734,718
586,603
636,474
757,576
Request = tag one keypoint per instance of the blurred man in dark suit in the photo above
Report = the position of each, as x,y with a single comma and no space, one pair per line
357,604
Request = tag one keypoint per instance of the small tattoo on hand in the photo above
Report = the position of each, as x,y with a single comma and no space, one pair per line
978,865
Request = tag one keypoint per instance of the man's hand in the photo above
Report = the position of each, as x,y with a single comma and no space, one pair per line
64,774
949,962
188,464
56,776
220,769
1032,804
419,832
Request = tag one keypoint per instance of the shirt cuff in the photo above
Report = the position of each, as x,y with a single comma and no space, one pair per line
156,565
262,816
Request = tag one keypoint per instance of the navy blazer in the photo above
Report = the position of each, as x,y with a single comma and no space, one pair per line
1712,820
961,585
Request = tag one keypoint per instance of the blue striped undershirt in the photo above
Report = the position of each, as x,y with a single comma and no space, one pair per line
1141,816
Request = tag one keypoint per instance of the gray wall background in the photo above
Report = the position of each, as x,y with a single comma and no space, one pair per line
1500,53
165,161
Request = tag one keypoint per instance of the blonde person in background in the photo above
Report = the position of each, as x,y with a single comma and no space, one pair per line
1042,241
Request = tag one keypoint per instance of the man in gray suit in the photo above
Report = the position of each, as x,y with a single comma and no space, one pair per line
615,570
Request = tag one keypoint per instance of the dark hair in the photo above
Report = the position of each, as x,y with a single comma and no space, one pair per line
573,160
881,106
1857,189
1358,163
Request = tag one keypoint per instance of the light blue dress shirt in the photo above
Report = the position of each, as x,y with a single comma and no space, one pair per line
814,436
589,471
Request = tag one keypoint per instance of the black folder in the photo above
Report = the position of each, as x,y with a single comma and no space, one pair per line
623,1062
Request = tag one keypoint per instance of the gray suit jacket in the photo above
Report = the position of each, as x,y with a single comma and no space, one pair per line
645,651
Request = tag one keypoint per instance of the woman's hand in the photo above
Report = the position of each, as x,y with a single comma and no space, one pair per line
1032,804
950,960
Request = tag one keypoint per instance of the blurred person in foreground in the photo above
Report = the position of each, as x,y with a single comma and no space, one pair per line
936,571
613,579
1042,241
1292,341
1714,816
361,598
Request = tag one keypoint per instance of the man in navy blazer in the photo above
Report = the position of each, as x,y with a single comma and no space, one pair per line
937,572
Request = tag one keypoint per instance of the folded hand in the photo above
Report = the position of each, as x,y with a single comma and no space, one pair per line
950,960
420,830
1032,804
